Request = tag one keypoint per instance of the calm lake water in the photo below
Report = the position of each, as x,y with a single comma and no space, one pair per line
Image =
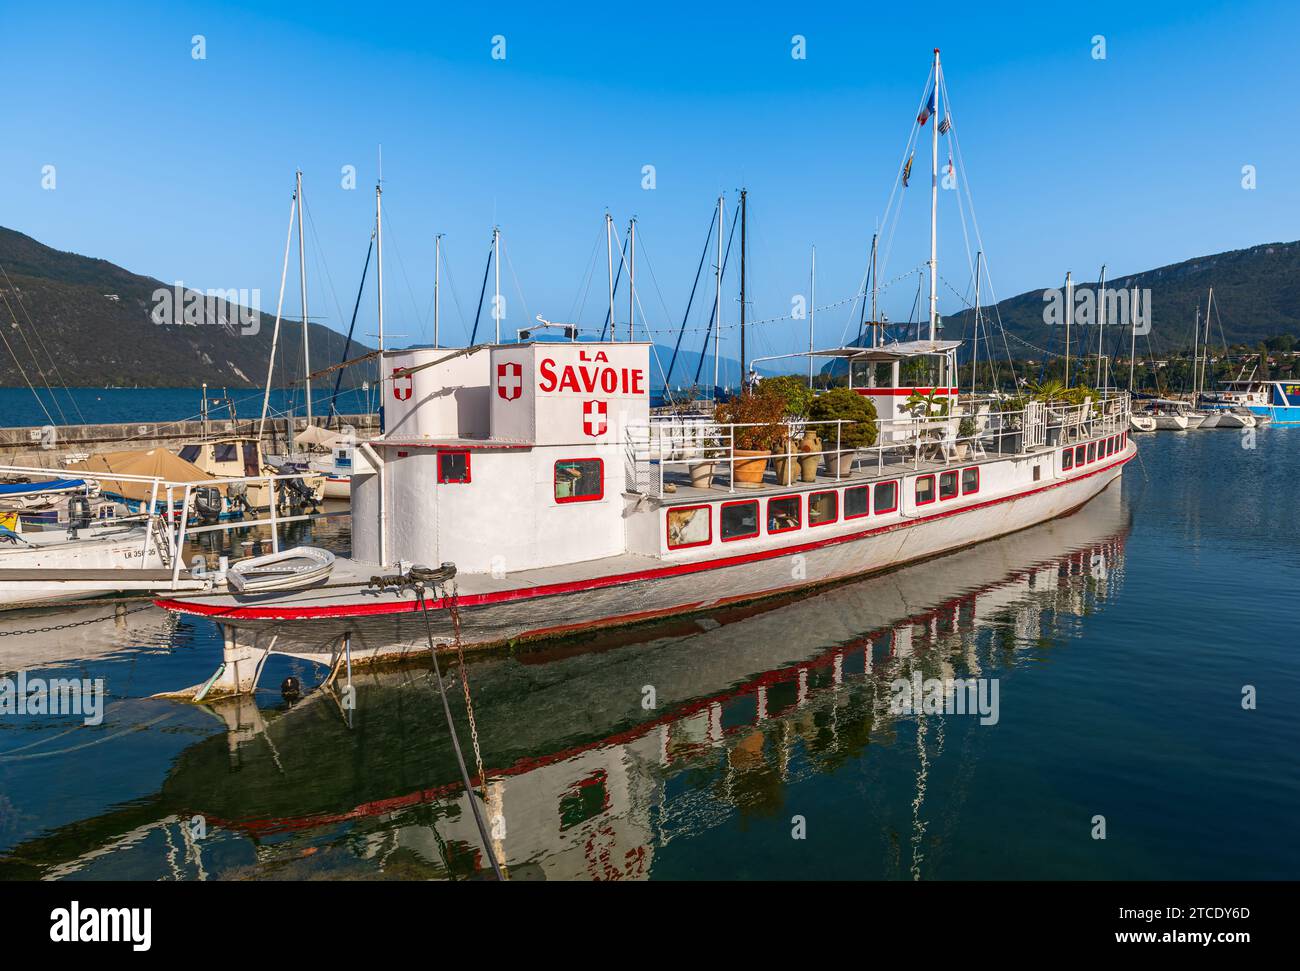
1120,638
19,407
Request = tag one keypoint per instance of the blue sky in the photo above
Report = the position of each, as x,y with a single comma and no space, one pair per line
182,169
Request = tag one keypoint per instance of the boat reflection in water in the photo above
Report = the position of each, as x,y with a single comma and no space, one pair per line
601,754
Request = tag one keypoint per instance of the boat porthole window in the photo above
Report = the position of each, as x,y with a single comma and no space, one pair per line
856,501
925,490
1067,459
823,508
689,526
1080,455
886,498
970,480
1092,451
783,514
453,467
739,520
947,485
579,480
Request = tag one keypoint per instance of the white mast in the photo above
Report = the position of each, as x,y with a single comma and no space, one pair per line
812,317
302,281
496,265
609,258
631,280
975,352
934,204
279,306
1069,313
717,309
1209,300
1101,320
1196,352
1132,340
379,254
437,267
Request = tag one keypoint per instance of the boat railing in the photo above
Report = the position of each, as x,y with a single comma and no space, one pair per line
167,511
668,449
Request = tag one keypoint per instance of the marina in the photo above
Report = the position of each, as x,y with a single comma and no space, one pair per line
574,449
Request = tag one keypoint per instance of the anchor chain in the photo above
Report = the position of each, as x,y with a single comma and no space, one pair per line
77,623
453,610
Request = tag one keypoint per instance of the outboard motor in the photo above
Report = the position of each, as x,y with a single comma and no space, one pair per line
238,493
78,514
207,503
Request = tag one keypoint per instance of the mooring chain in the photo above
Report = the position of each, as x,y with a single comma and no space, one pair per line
69,626
453,610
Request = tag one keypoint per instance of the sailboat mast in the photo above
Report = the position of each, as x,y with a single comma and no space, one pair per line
1196,350
1069,315
934,204
302,282
875,321
975,351
812,317
279,306
717,307
744,371
496,266
379,265
631,280
1132,339
609,258
1101,320
1209,300
437,267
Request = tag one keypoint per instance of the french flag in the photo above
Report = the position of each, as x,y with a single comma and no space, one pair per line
928,110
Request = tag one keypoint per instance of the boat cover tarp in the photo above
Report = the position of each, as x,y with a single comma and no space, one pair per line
315,435
154,462
40,488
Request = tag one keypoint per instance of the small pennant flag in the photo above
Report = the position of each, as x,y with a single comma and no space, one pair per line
945,125
928,110
907,170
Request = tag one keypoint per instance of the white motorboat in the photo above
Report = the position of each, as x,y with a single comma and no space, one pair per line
1141,423
294,569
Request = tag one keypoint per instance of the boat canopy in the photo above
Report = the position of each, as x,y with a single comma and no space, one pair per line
153,462
897,351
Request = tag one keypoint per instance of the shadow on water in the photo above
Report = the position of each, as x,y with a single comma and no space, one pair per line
604,756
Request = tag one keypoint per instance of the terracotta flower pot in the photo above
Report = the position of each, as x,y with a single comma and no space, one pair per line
787,469
808,462
839,463
701,474
750,465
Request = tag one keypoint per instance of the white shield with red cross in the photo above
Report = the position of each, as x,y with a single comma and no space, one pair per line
403,386
595,418
510,380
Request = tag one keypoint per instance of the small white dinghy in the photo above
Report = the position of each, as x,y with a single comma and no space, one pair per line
303,566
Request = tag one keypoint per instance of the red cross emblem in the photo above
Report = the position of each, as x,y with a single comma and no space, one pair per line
595,418
403,386
510,381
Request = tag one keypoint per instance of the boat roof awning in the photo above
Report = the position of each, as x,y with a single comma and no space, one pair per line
897,351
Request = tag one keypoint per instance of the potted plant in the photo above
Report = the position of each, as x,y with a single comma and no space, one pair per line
759,417
858,431
966,430
796,398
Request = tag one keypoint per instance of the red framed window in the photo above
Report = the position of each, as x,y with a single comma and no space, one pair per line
1080,455
885,497
1092,451
948,485
579,480
857,501
823,508
1067,459
689,526
784,514
453,467
402,455
924,490
970,480
738,520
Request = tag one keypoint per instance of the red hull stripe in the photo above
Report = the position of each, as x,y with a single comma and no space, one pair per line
592,583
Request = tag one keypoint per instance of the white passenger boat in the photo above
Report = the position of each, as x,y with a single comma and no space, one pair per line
542,498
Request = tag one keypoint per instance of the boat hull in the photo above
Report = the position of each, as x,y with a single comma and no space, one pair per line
391,631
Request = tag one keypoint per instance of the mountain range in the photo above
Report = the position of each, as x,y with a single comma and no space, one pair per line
76,320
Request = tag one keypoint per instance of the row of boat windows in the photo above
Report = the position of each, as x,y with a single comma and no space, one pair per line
693,525
1081,455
